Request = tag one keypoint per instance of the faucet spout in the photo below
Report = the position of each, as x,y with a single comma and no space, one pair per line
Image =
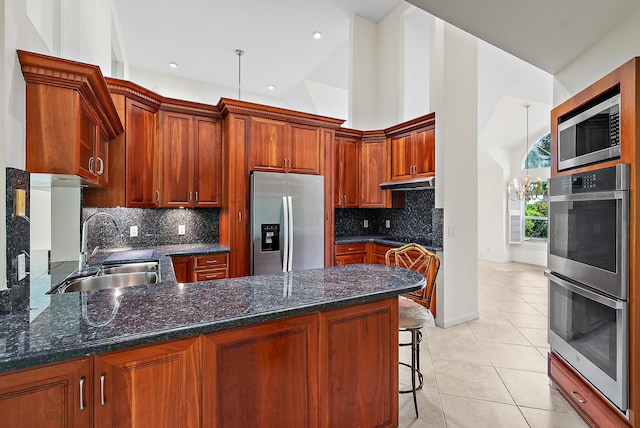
83,259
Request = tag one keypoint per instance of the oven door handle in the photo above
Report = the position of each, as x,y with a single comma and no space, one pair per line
612,303
595,196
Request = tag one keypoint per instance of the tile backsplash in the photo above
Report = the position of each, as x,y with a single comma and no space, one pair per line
155,226
418,219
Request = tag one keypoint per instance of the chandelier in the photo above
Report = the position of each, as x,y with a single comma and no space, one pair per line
525,190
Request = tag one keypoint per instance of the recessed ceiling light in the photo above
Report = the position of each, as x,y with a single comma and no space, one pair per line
317,35
271,87
173,64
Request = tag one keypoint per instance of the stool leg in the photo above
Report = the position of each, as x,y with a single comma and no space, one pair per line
414,350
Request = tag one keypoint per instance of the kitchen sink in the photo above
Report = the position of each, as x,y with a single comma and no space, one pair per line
112,276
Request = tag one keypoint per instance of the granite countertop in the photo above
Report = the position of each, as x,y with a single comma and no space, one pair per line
386,240
87,323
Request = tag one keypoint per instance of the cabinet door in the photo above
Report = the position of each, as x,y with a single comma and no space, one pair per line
47,397
379,254
87,144
351,259
154,386
401,157
177,160
207,162
359,365
337,173
142,190
266,141
264,375
102,160
424,151
303,149
373,171
183,268
350,173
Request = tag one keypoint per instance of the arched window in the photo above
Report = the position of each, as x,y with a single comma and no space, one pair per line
539,155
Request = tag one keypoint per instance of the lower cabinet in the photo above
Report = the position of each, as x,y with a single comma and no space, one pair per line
154,386
350,254
204,267
337,368
52,396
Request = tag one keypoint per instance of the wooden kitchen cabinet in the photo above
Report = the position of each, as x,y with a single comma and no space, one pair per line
52,396
347,168
374,170
191,161
277,146
263,375
412,146
349,254
70,118
153,386
204,267
359,365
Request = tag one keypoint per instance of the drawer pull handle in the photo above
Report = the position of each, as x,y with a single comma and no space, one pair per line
212,276
82,393
351,249
211,261
102,402
578,397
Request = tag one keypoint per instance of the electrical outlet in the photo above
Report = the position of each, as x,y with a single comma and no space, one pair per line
181,229
22,271
366,223
387,224
133,231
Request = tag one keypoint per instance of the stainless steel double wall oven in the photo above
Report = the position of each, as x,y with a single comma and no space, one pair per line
588,271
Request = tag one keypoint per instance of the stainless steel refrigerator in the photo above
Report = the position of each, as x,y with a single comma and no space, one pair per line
287,222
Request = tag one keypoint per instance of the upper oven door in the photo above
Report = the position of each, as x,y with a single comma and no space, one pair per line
588,239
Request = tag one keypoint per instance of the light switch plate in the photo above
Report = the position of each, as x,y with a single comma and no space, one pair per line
22,270
181,229
133,231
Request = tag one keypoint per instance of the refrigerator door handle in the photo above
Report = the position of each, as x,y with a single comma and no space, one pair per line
285,246
290,207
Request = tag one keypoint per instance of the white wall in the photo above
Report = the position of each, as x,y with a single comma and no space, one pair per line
40,219
454,89
363,52
611,51
65,221
415,79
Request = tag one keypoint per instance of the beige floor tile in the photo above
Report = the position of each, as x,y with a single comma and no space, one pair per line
536,336
545,419
543,308
516,307
462,412
497,333
471,381
527,320
492,317
526,289
515,356
429,411
455,344
532,389
534,298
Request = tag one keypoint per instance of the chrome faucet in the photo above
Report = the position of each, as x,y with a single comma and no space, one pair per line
83,259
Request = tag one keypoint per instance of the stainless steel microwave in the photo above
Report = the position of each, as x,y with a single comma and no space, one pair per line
590,136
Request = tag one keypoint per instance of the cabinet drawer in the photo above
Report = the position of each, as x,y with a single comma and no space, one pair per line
208,261
210,275
587,402
351,248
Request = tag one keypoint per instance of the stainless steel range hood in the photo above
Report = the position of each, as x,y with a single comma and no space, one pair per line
419,183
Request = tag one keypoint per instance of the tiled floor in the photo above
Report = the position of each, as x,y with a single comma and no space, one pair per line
490,372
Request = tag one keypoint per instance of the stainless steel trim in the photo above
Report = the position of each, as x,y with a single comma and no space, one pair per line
591,112
102,401
595,196
611,303
285,222
82,393
290,208
600,155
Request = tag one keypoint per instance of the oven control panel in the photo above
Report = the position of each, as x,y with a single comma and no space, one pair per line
598,180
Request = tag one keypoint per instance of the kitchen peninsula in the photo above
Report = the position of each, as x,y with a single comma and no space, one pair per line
309,348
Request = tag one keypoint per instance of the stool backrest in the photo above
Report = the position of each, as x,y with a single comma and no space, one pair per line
417,258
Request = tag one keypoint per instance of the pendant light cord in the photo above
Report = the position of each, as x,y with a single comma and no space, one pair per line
239,52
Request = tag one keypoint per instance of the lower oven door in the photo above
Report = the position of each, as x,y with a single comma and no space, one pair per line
590,331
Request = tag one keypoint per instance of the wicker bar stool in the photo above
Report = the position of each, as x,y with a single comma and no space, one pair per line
413,310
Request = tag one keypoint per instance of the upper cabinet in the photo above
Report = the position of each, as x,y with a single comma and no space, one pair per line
413,148
374,169
347,172
70,118
279,146
191,161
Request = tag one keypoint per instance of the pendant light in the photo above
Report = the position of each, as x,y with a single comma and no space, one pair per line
525,190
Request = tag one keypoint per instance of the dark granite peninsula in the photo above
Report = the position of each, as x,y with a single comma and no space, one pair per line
302,347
